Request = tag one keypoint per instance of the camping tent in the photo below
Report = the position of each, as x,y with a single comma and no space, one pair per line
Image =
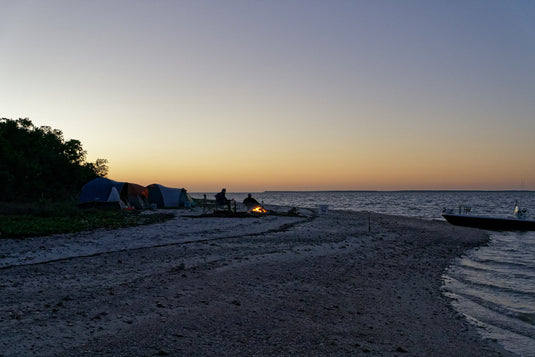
105,192
168,197
102,191
137,195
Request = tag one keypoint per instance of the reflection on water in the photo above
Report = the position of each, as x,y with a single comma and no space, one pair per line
494,287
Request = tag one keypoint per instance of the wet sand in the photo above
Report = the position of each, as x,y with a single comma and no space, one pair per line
338,284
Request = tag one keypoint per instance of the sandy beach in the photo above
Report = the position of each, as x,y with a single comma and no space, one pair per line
336,284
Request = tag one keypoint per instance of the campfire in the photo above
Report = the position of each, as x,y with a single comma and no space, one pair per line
259,209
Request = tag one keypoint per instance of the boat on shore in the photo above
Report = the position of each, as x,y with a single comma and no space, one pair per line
518,222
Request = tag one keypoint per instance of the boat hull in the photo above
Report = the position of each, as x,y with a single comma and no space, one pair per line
491,223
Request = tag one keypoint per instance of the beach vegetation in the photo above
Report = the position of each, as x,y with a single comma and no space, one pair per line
22,220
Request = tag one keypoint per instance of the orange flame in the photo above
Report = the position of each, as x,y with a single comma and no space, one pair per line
259,209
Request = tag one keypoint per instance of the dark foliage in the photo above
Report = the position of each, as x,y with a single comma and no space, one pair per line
30,219
36,163
68,219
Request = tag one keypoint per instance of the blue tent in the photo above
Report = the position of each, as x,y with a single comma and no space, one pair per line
106,192
168,197
103,191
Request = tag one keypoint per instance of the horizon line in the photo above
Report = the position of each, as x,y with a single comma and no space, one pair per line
413,190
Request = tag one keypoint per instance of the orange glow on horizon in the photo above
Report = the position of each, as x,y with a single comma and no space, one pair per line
367,179
347,169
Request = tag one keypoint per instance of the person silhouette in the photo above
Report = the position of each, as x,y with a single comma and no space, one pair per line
221,199
250,202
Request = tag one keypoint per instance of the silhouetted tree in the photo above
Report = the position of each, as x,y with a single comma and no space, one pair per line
36,162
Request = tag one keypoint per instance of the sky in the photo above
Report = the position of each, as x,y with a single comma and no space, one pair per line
282,95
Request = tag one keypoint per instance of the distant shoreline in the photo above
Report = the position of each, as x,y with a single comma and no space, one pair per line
330,191
335,191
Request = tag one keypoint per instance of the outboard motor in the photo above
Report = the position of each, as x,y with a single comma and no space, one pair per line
520,213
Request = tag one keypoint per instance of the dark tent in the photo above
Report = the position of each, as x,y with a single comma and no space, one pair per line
168,197
138,195
106,192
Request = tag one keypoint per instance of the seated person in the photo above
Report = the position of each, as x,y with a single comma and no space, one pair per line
221,199
250,202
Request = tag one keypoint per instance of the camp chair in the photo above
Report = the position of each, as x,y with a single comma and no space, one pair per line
224,206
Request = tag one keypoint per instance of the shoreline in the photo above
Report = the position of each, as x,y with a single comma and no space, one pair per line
240,286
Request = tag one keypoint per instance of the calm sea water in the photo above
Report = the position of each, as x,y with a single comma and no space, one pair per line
493,286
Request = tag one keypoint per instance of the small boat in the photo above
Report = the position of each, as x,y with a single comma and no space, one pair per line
518,222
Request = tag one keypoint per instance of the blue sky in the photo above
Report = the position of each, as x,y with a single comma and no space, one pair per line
260,95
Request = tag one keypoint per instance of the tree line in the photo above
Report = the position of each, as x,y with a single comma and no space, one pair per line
38,163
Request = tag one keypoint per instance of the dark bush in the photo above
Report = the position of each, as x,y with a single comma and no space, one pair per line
36,163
